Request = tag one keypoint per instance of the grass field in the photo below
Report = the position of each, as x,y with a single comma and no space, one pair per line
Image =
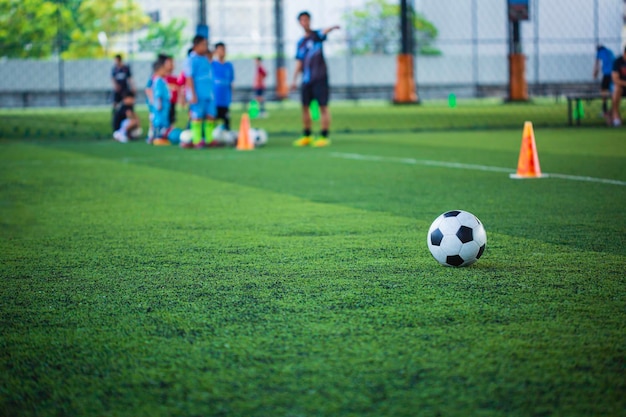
155,281
349,117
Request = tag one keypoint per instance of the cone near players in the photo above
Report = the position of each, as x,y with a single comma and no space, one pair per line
528,163
243,141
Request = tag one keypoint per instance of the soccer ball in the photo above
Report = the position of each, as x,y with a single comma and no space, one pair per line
185,137
174,135
136,133
258,137
456,238
223,136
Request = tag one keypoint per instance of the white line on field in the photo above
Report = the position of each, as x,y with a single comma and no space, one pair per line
457,165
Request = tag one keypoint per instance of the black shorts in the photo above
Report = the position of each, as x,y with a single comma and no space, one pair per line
223,113
117,97
605,84
172,113
259,92
317,90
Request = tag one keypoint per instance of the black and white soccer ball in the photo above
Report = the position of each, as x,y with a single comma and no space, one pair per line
457,238
258,137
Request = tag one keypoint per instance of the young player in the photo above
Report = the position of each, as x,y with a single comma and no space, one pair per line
310,62
259,85
619,83
161,101
223,78
174,84
604,62
125,119
182,81
200,91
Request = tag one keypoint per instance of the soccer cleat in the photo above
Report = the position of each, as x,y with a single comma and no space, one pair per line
617,122
320,143
303,141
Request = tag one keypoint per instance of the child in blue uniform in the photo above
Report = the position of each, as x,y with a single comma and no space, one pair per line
160,101
223,78
200,95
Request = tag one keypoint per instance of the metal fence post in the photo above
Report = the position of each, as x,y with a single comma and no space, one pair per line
61,66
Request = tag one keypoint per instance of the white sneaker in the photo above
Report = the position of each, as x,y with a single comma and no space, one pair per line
617,122
120,136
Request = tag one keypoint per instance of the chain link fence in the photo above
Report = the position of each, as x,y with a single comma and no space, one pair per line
461,46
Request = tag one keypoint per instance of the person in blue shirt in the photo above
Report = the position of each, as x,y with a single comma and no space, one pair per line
310,62
200,96
160,101
604,62
223,78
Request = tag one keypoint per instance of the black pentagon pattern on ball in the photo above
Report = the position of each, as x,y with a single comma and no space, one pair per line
480,252
465,234
455,260
436,237
452,213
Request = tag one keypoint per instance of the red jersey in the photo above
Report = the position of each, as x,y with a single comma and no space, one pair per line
174,85
259,77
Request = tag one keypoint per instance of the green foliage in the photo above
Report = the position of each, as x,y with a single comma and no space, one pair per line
375,29
164,38
112,17
29,28
39,28
139,280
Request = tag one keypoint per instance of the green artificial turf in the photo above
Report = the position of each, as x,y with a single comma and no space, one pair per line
348,117
155,281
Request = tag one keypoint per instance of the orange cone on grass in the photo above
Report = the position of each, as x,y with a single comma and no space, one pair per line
528,163
243,141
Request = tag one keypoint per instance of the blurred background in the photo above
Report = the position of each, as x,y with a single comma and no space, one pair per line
59,52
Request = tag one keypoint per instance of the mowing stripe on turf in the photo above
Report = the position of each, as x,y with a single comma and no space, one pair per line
427,162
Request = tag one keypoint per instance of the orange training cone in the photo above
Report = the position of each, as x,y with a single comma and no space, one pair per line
528,163
243,141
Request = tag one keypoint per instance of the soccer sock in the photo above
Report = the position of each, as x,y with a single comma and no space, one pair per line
604,107
262,106
307,132
209,125
196,131
325,133
124,125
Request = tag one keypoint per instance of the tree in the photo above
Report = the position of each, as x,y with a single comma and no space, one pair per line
164,38
375,29
32,28
112,17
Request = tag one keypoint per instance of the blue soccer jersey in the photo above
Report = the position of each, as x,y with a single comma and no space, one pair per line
606,57
198,67
311,53
223,77
161,102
